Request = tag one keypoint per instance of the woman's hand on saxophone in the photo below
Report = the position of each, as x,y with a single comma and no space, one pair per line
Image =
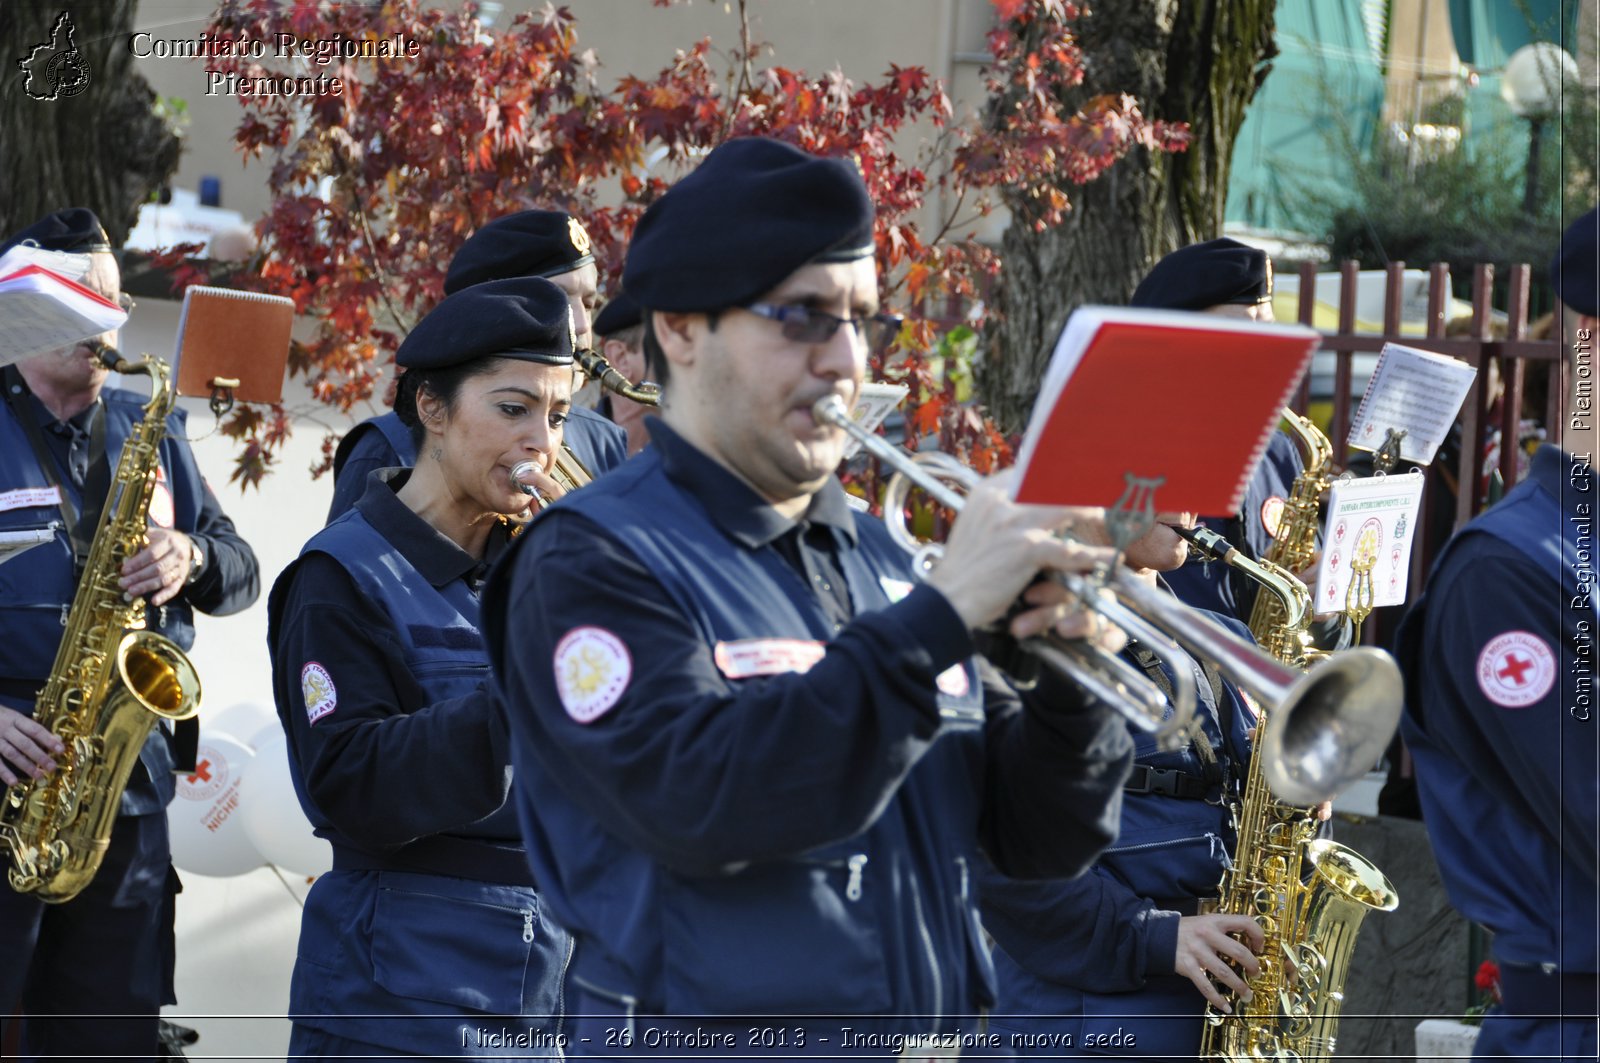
1209,955
25,746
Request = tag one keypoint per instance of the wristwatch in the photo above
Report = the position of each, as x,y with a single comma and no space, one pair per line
197,561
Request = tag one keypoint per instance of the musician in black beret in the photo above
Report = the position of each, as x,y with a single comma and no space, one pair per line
1498,655
1575,270
1203,276
398,752
531,243
88,976
551,244
735,711
619,330
75,229
1227,278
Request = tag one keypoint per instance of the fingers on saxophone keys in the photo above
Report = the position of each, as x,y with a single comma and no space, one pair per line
25,755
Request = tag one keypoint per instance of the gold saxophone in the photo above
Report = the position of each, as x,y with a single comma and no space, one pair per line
1309,896
110,682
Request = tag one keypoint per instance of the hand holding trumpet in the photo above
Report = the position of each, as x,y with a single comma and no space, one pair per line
996,550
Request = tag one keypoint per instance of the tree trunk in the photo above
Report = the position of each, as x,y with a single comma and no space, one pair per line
1195,61
101,147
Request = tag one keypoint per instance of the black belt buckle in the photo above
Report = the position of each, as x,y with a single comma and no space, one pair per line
1169,782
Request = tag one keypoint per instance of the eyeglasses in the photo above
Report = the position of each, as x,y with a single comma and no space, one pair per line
805,325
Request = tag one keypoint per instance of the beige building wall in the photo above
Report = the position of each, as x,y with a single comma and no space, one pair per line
1424,66
630,37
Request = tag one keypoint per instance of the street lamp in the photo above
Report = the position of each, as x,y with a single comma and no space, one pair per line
1532,86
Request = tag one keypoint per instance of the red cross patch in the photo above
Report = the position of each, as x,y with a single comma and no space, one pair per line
1516,670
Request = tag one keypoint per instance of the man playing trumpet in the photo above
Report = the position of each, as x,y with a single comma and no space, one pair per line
755,758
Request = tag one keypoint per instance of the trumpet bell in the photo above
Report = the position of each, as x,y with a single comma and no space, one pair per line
1332,725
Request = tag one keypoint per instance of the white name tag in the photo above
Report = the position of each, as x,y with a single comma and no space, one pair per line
747,658
29,498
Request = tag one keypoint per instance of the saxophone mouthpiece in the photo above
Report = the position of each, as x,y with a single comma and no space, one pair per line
1207,543
109,356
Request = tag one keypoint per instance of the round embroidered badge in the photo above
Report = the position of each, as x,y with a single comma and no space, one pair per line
1516,669
1272,515
592,668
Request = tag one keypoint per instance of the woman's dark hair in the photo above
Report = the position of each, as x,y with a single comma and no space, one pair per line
443,384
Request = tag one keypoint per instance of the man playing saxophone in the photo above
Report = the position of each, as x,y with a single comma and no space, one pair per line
109,949
1121,961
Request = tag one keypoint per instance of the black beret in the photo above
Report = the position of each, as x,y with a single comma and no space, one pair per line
520,317
620,313
74,229
1574,270
1213,273
533,243
752,213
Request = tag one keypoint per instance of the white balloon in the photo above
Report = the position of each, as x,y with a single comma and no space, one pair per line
266,733
272,816
245,719
208,835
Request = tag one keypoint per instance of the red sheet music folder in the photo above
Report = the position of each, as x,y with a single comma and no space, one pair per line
1192,398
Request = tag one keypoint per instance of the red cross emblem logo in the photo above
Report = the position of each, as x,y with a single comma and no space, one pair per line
1516,670
202,773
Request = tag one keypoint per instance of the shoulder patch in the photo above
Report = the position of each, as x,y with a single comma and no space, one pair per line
1516,669
1272,515
317,691
592,668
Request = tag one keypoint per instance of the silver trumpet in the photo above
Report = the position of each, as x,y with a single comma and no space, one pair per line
1339,715
1106,676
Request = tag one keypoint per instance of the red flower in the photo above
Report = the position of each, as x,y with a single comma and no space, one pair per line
1488,977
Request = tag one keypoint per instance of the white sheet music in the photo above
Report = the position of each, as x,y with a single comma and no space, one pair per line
1416,391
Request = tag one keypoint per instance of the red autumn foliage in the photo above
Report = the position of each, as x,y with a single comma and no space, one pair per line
374,190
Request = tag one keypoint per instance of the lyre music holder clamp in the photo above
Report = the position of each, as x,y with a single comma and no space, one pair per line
1387,456
222,394
1133,514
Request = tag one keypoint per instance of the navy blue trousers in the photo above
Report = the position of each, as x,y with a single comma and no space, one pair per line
92,974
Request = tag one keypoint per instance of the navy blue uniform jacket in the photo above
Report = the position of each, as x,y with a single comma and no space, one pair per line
399,756
1215,586
741,805
37,587
1501,721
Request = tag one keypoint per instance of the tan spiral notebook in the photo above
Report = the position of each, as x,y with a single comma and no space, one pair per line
230,335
